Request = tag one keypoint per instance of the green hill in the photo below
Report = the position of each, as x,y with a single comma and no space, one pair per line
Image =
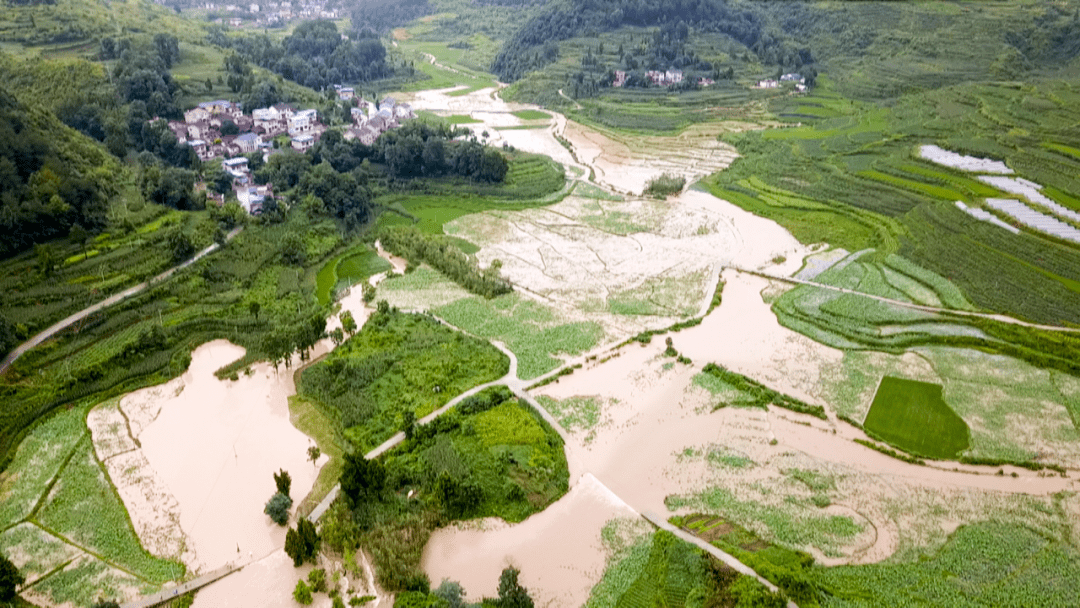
75,27
51,177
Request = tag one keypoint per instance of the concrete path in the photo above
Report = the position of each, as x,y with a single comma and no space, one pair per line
168,594
723,556
21,349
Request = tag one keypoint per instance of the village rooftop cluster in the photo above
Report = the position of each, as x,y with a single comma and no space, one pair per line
797,79
203,125
270,14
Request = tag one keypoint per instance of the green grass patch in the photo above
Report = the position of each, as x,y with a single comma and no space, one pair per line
397,362
306,416
83,507
574,413
461,119
530,330
751,392
912,416
531,115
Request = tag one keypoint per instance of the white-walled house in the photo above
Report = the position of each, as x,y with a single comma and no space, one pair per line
303,143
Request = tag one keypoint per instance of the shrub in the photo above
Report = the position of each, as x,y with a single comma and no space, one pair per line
664,185
278,508
317,579
302,593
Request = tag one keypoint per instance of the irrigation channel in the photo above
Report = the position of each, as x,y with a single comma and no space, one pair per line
52,330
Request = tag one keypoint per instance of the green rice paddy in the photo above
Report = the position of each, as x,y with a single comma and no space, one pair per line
912,416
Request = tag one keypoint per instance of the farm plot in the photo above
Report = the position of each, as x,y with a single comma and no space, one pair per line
982,564
535,333
83,507
37,462
912,416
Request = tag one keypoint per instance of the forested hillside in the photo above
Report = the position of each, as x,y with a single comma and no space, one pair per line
534,45
51,178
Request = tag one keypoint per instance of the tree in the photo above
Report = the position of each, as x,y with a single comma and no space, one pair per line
338,336
283,481
254,308
408,423
348,323
313,454
511,593
361,479
459,498
302,593
302,543
294,547
10,579
278,508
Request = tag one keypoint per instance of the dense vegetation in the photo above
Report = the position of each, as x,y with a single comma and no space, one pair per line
398,364
534,45
662,570
314,55
489,456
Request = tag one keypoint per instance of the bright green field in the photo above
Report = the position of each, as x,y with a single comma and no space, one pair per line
912,416
461,119
531,115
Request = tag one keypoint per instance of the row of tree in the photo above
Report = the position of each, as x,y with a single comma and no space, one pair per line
446,257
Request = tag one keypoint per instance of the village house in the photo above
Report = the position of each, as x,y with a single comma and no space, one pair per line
620,79
768,84
303,143
366,134
346,93
302,122
235,167
248,142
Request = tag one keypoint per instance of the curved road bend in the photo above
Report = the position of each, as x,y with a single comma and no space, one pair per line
19,350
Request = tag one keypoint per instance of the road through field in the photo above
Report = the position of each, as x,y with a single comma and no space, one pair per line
52,330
